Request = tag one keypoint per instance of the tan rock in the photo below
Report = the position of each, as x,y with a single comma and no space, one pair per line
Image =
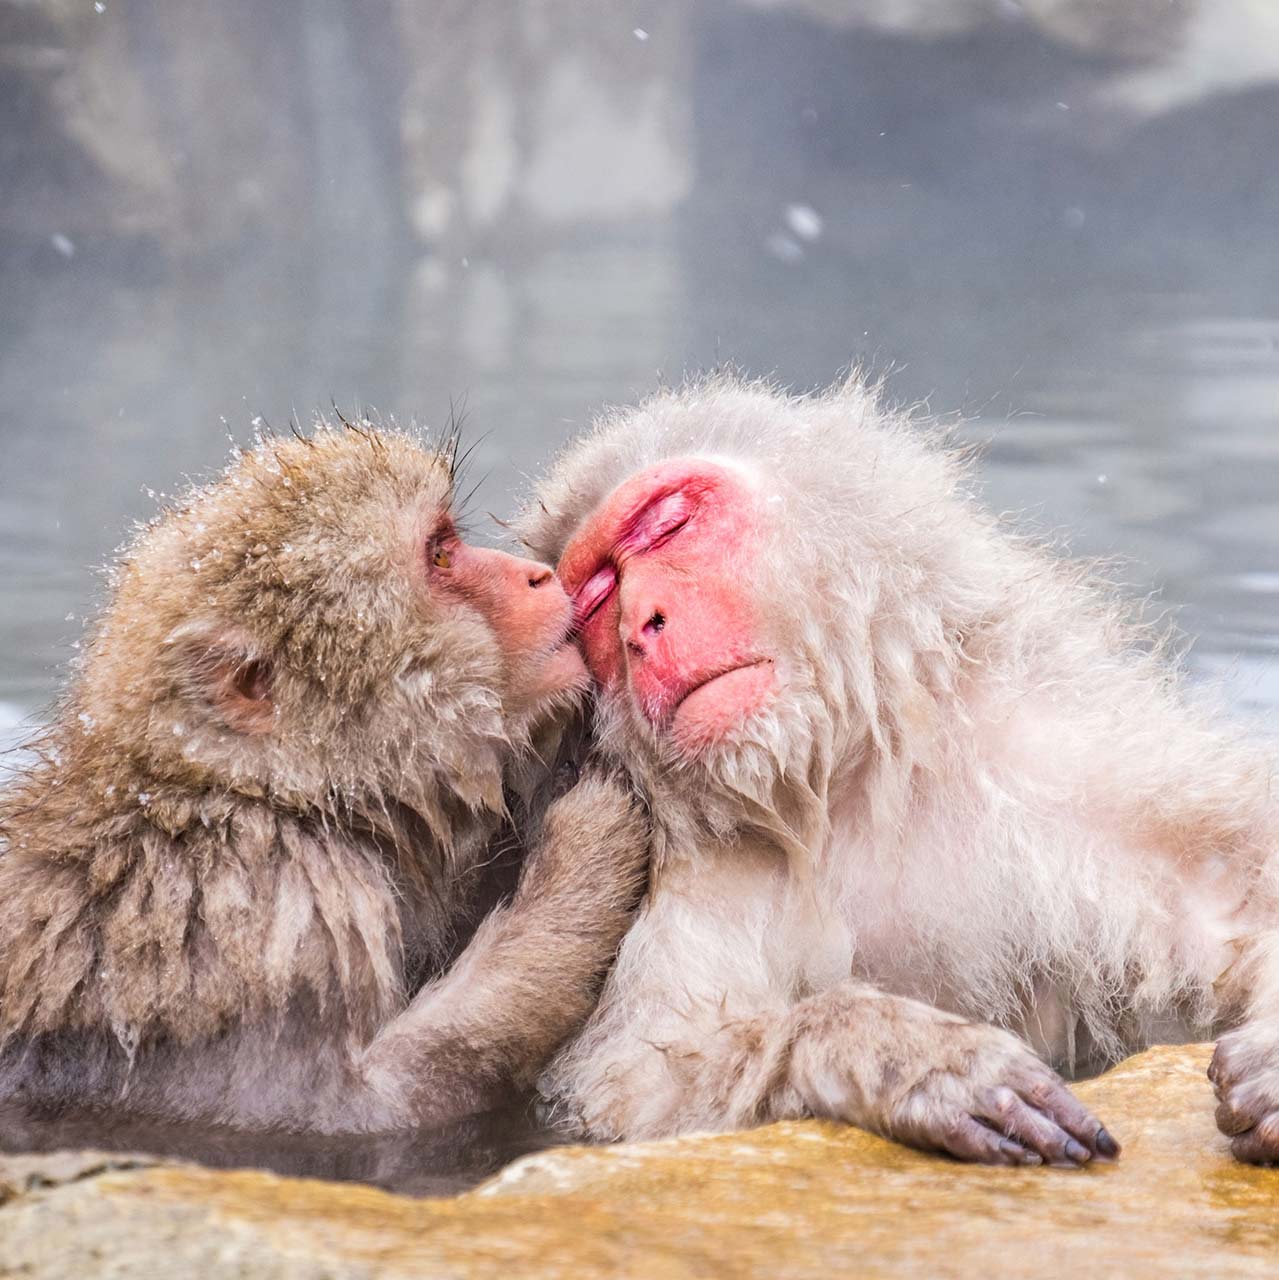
794,1200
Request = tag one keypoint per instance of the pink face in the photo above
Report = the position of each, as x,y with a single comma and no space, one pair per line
524,604
657,579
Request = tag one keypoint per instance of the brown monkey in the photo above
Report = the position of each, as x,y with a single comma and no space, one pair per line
920,795
256,824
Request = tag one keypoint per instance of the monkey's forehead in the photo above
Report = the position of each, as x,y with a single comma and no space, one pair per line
334,488
720,418
353,458
609,524
568,506
332,469
831,451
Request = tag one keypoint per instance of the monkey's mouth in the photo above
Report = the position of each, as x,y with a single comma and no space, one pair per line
722,673
719,701
564,671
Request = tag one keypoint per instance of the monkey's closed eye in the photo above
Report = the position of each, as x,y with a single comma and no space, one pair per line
592,594
658,523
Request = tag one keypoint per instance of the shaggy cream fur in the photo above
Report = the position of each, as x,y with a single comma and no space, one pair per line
981,787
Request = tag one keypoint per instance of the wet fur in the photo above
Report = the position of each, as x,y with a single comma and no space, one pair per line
204,920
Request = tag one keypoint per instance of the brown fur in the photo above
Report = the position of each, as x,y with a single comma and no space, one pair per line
258,820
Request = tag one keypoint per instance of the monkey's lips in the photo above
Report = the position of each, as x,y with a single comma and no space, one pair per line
719,702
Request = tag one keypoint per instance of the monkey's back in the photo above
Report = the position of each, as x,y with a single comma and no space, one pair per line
204,956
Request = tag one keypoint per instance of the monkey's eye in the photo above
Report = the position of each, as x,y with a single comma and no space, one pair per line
441,557
591,596
658,523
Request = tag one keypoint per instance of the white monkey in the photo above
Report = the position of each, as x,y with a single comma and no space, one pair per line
923,799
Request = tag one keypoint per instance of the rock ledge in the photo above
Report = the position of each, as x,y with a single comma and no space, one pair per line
803,1199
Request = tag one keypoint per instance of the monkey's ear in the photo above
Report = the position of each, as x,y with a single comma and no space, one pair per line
221,667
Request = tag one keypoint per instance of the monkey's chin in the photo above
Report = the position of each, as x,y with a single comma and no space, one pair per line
563,676
715,708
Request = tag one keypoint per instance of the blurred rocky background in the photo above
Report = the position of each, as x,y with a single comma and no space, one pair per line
1056,216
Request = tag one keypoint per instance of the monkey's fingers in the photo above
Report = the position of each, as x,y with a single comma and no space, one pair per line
1046,1092
1221,1069
967,1138
1242,1055
1260,1144
1009,1113
1215,1070
959,1135
1245,1105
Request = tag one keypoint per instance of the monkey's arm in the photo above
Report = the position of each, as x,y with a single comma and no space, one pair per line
708,1043
924,1077
530,975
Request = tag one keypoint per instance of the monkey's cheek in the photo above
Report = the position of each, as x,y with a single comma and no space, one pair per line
709,714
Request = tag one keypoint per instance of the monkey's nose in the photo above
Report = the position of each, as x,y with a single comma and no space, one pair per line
638,639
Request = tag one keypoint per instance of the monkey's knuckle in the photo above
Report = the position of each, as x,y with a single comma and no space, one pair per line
1228,1118
910,1119
1042,1087
985,1068
1246,1050
1225,1053
1016,1055
1001,1101
1035,1067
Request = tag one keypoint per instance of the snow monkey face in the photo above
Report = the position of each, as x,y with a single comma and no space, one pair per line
523,603
662,578
321,592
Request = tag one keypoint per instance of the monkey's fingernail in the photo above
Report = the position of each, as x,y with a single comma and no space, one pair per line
1106,1145
1077,1152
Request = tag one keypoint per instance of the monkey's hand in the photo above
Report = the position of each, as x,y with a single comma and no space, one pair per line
934,1081
531,973
1245,1077
593,856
